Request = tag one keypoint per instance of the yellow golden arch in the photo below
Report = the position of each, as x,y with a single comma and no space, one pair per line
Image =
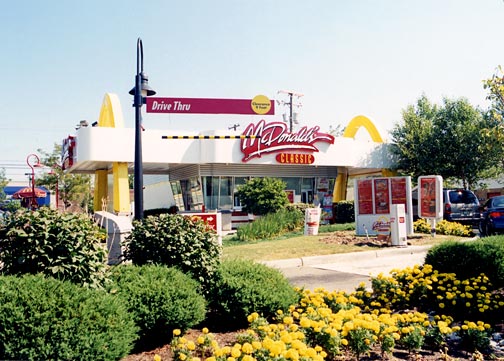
111,116
360,121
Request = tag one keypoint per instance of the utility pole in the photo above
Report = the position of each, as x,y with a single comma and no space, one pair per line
291,104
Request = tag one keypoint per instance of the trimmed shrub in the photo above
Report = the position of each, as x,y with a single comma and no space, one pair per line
160,299
47,319
244,287
344,212
261,196
470,259
175,241
66,246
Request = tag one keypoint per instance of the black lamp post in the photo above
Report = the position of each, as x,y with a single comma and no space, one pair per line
140,91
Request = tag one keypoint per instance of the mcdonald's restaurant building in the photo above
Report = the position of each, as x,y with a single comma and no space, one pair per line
201,172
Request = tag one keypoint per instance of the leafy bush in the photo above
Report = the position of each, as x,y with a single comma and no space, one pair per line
299,207
176,241
443,227
61,245
344,212
271,225
470,259
243,287
160,299
47,319
261,196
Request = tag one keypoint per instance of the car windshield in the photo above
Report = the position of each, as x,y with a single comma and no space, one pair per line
462,196
498,202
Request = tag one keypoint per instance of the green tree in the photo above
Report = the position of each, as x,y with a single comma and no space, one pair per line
261,196
453,140
73,189
3,183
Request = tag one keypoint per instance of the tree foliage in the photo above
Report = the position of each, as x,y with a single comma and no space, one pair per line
73,189
3,183
261,196
454,140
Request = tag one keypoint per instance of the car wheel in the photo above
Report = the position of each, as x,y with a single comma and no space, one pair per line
481,229
488,230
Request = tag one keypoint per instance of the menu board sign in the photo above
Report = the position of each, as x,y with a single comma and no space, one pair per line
398,190
365,199
430,196
375,200
382,205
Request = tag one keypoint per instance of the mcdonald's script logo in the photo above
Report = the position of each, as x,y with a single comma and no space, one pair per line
274,137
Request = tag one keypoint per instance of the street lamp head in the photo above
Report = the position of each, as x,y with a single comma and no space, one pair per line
145,88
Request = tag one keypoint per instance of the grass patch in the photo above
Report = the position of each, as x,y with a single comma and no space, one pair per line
289,245
297,245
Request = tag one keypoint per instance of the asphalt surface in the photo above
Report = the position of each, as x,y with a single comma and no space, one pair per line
347,270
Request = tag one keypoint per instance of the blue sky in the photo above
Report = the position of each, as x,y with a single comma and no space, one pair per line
367,57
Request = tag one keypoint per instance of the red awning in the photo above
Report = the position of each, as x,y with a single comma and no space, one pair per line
28,193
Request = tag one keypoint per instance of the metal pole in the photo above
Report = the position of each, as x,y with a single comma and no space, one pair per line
33,198
290,114
138,181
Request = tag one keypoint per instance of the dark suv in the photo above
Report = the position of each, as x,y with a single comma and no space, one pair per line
461,205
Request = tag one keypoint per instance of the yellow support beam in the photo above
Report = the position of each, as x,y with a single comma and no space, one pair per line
100,189
121,188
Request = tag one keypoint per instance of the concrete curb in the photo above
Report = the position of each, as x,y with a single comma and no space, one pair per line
345,257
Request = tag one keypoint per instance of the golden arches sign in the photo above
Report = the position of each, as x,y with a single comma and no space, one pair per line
111,116
360,121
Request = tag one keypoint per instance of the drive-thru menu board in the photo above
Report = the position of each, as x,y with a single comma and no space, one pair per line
430,196
374,197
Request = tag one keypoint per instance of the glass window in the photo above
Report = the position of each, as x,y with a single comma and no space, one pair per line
177,194
237,182
226,188
293,183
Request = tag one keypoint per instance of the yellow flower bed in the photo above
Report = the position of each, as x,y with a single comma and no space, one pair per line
326,324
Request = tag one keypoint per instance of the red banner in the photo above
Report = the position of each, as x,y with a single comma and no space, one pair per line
210,106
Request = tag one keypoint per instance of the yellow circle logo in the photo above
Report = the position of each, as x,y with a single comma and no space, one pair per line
261,104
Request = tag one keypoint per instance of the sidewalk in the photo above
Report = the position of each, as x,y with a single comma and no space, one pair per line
345,271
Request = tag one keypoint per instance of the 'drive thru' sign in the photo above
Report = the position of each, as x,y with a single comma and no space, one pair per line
259,105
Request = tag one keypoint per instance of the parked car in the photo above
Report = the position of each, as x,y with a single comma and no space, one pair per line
459,205
492,216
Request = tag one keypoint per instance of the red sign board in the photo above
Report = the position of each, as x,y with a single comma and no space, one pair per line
365,200
382,190
209,218
428,197
295,158
210,106
274,137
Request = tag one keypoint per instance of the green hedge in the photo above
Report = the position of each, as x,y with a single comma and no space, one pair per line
160,300
66,246
46,319
470,259
175,241
344,212
244,287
